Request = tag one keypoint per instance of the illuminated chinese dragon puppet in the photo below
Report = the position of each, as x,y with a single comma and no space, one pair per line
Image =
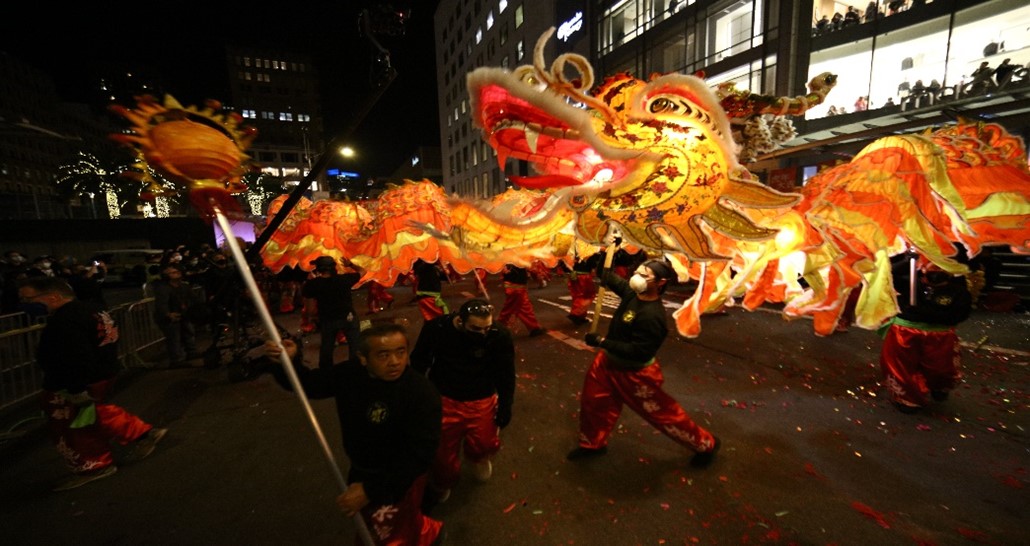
658,163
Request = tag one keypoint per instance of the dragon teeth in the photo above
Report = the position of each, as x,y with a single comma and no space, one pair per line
531,138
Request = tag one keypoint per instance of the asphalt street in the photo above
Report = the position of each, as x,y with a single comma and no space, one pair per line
812,452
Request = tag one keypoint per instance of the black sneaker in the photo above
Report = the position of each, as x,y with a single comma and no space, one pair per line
146,444
83,478
577,320
586,453
705,458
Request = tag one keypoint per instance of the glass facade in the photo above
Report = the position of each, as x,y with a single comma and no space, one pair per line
940,52
705,35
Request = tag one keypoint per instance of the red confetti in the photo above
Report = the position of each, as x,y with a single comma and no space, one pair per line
923,427
972,534
871,514
810,469
509,508
1012,482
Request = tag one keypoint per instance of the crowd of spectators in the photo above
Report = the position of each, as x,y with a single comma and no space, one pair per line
852,16
87,277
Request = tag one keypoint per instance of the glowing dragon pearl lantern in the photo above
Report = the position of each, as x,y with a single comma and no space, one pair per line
202,149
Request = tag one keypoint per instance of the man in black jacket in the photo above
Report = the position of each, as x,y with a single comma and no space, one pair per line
626,370
390,423
173,298
471,362
329,296
920,353
79,357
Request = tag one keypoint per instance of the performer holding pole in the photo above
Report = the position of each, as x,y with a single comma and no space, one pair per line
287,365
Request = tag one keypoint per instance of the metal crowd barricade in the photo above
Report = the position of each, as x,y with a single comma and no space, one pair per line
20,378
137,331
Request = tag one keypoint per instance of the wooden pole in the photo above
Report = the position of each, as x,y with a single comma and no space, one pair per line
608,256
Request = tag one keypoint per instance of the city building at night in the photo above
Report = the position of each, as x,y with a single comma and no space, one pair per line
277,92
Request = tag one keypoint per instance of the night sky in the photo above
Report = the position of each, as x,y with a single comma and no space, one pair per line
185,42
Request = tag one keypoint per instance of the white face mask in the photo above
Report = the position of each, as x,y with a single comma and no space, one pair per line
638,283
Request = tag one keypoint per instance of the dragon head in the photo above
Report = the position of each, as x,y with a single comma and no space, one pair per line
611,139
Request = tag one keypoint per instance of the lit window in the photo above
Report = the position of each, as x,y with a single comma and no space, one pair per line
501,5
518,16
246,61
479,35
520,50
489,20
275,65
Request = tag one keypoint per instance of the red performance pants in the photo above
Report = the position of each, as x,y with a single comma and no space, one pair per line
915,362
516,302
431,306
402,523
470,424
606,390
378,297
583,291
89,448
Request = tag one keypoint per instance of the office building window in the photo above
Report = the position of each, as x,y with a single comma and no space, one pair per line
490,20
673,54
519,50
518,16
733,29
502,5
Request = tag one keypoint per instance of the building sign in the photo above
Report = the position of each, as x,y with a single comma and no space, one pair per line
566,29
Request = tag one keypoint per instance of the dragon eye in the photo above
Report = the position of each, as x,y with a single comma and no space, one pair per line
662,104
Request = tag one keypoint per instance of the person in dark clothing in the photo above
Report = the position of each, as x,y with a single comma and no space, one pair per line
823,25
330,293
223,293
626,370
390,422
516,300
852,17
471,362
1003,72
88,282
173,298
920,353
78,354
836,21
428,290
871,12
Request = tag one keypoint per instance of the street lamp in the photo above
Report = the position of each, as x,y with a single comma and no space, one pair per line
347,151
